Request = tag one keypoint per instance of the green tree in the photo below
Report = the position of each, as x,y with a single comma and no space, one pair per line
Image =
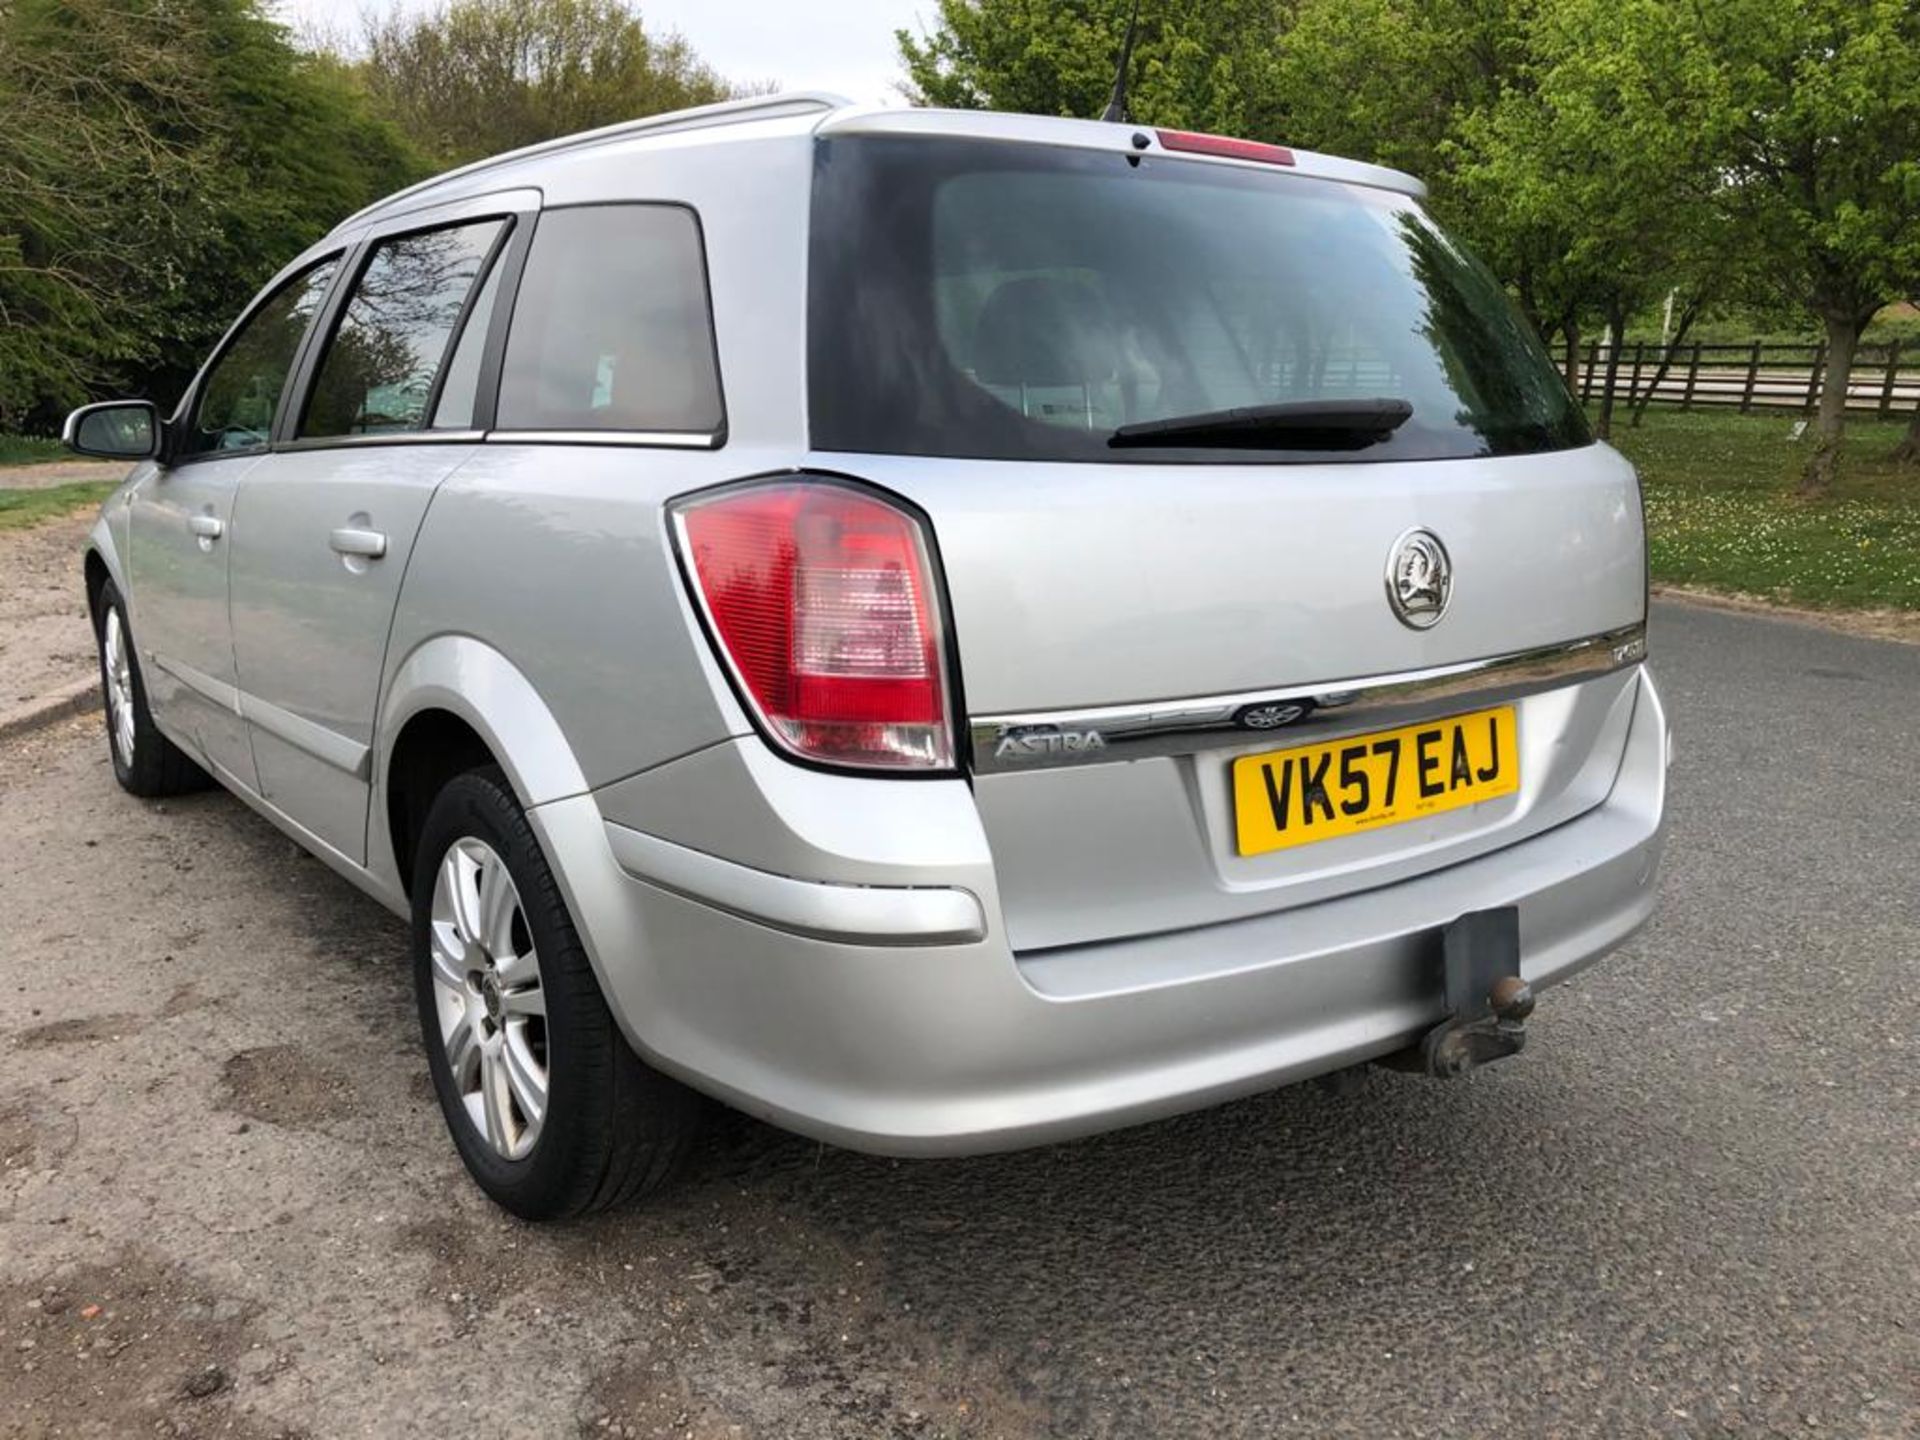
1600,178
91,173
291,148
1907,452
1824,173
1394,81
1196,65
159,158
477,77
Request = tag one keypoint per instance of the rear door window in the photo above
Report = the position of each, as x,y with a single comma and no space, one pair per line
397,332
611,329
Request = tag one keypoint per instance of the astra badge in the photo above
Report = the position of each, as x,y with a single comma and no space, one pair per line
1030,742
1419,579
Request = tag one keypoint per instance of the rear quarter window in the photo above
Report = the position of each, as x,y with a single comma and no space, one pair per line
612,329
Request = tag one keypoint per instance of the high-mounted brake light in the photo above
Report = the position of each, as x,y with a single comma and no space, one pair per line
821,600
1194,143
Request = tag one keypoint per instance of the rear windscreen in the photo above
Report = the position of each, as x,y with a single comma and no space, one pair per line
1023,302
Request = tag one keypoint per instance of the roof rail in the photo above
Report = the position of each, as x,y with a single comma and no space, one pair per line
726,112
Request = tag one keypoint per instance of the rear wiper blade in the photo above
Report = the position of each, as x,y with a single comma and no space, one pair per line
1290,425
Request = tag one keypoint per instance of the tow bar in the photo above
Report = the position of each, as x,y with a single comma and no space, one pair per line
1487,1001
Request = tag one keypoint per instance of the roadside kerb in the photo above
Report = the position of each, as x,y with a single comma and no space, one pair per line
74,698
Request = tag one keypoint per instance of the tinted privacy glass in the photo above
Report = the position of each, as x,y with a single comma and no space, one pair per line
1024,302
611,330
234,410
378,371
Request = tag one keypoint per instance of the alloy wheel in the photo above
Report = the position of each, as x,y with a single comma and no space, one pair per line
487,996
119,671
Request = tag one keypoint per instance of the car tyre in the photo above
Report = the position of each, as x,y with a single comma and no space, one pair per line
551,1110
145,762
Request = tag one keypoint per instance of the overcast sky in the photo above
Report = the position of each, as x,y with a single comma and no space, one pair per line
841,45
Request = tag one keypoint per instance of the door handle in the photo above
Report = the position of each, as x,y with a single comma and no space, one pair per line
207,527
369,544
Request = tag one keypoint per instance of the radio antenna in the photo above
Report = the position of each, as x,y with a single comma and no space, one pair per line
1116,111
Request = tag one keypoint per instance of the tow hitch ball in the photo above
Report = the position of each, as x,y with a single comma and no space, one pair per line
1487,1001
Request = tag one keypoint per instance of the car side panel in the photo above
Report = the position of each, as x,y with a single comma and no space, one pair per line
179,614
310,624
108,538
557,557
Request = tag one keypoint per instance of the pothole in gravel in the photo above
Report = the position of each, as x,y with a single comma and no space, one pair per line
475,1262
18,1145
31,1135
648,1401
80,1030
283,1085
128,1347
186,999
741,1317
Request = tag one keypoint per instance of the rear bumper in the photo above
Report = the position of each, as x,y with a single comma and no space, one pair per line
870,1015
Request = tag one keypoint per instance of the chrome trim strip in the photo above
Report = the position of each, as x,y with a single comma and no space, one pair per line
672,439
855,914
327,746
1042,739
396,437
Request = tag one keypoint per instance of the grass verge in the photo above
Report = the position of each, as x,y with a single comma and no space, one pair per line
30,450
1721,512
21,508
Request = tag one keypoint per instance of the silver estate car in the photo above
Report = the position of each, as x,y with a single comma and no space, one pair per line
944,631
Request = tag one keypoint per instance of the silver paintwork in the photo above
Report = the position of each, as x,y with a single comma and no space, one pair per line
71,427
933,1050
1093,135
1075,585
957,963
488,999
176,581
862,914
310,623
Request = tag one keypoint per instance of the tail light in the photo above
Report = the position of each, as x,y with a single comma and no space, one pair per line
1224,145
821,601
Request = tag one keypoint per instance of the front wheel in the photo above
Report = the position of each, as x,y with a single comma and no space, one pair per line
550,1109
145,762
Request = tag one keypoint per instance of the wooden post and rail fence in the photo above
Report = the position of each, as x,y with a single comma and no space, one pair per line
1885,382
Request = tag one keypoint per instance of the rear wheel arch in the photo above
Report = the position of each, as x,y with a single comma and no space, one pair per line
432,748
456,705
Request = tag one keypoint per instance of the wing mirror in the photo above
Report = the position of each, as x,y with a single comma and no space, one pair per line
116,430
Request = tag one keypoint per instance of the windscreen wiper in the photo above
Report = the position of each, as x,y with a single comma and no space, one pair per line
1289,425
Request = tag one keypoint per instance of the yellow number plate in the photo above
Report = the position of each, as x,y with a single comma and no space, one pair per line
1315,792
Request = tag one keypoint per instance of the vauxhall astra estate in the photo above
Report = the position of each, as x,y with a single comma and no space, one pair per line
943,631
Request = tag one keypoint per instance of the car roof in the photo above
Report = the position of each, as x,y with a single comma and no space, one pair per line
825,114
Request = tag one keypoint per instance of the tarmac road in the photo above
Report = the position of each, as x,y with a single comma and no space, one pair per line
1691,1208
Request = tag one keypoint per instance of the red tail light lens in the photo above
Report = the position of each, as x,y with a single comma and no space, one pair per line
821,598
